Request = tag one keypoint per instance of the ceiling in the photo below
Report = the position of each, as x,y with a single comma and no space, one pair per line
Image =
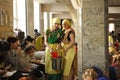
113,7
114,3
114,14
52,1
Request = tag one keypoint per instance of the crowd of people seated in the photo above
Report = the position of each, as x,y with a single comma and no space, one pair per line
21,56
29,55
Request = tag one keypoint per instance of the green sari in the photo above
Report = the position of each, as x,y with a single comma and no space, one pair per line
54,36
54,39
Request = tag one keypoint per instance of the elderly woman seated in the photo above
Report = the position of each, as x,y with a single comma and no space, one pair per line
30,59
38,57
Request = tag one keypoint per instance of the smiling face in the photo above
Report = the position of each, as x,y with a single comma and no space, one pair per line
55,23
55,26
66,24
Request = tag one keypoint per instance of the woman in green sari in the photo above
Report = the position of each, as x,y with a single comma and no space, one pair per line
53,37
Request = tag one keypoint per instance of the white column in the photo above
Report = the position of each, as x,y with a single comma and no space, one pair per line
30,17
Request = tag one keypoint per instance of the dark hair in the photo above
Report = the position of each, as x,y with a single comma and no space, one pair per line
28,48
29,38
35,30
98,71
4,46
35,73
21,35
12,40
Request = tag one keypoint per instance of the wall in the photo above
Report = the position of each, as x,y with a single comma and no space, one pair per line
6,18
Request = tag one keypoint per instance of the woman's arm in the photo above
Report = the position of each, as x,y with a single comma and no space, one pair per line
46,43
72,41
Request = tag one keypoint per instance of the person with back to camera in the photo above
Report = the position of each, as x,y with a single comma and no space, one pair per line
52,42
68,43
4,48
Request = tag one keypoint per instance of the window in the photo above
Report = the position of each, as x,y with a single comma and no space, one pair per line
19,14
111,27
36,16
45,21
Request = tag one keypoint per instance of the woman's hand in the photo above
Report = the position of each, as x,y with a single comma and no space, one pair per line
26,69
65,51
59,47
51,50
8,67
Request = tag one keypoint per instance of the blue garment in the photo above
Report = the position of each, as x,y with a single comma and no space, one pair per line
103,78
100,74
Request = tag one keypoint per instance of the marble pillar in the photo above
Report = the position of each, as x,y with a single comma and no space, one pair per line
30,17
41,19
92,36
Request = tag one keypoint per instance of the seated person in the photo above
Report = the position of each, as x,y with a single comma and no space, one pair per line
94,73
38,57
100,74
33,75
12,58
24,58
38,61
28,40
4,48
89,74
39,43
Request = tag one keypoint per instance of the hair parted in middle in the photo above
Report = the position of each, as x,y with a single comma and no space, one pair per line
66,21
56,20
